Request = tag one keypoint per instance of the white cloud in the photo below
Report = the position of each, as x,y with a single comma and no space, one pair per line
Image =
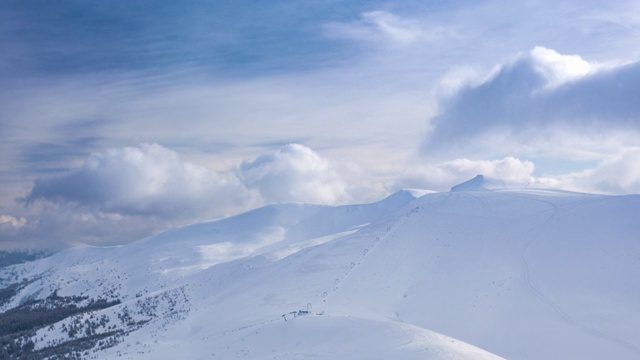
556,68
527,104
144,180
618,174
294,173
443,176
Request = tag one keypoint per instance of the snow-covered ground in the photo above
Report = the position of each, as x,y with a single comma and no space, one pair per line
520,273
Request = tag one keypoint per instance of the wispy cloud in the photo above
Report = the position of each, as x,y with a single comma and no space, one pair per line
13,222
386,28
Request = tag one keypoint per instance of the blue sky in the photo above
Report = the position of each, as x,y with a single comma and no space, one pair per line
120,119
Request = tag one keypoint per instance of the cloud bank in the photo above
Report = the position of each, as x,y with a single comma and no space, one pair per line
530,99
151,180
148,180
123,194
618,174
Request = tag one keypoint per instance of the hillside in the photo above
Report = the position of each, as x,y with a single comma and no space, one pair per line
520,273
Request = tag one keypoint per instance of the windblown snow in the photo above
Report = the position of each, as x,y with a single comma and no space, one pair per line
485,271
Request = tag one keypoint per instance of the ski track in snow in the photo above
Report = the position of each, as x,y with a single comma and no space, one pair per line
389,232
538,293
327,294
380,237
384,238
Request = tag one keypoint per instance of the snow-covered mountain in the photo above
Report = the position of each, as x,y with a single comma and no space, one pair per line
486,271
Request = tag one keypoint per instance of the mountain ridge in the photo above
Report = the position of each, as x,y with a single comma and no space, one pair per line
487,267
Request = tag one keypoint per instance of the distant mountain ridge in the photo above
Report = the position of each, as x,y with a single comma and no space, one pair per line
20,256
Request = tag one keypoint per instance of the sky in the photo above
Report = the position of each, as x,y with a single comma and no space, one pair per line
121,119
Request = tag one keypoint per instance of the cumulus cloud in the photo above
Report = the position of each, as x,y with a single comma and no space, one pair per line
124,194
558,69
144,180
538,93
294,173
618,174
443,176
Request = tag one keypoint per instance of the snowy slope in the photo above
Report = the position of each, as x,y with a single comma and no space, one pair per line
153,263
521,273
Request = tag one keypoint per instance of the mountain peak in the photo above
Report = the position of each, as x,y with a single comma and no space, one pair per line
482,183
